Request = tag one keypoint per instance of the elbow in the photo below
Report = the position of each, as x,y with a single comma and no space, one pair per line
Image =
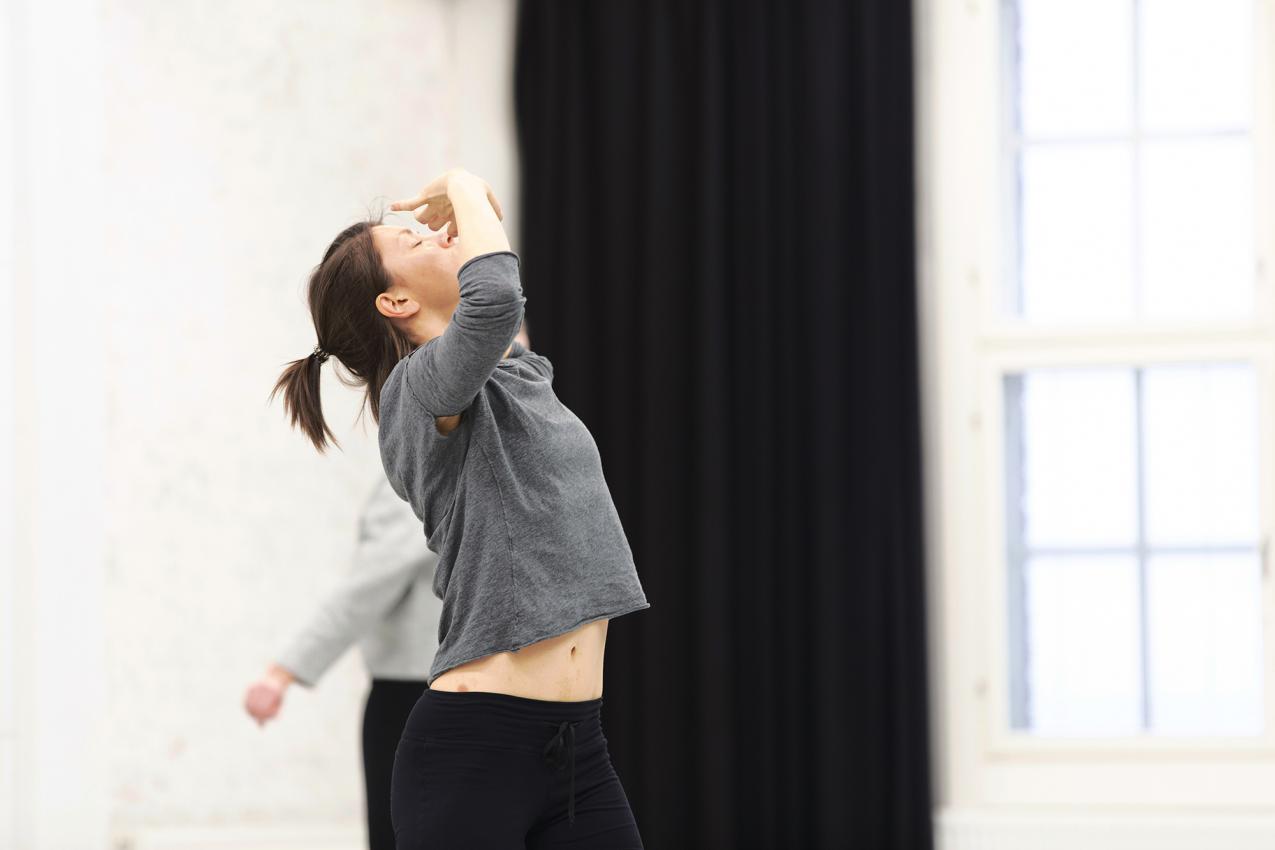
490,285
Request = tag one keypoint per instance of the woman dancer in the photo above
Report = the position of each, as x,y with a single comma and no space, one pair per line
505,750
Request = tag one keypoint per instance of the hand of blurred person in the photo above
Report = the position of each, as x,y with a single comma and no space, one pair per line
432,206
264,697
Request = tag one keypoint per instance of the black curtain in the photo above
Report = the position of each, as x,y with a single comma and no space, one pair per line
718,255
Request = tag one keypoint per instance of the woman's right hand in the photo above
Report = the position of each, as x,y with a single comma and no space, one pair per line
433,207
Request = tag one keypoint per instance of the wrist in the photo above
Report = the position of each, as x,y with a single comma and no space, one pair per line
466,184
280,676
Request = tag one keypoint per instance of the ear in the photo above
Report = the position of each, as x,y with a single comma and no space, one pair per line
396,305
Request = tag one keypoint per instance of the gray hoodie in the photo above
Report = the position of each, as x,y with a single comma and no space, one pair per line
384,602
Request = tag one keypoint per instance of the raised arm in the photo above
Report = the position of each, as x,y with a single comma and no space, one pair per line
447,372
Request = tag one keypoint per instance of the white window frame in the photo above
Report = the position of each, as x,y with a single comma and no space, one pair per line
968,345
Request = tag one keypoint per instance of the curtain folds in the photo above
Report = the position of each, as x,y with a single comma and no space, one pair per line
718,254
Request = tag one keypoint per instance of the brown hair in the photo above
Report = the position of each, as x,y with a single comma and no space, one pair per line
342,294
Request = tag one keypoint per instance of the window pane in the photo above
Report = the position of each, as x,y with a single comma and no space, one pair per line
1087,127
1083,646
1205,625
1197,214
1077,232
1078,455
1123,482
1075,67
1196,64
1201,455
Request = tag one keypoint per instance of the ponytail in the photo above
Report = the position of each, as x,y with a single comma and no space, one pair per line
299,384
342,294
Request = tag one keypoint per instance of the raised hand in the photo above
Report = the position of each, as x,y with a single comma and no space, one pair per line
433,207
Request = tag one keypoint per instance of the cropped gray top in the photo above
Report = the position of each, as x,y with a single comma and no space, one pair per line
513,499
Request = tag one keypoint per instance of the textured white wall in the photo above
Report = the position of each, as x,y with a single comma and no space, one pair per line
238,137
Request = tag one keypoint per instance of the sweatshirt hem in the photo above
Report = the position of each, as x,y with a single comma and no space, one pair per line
398,673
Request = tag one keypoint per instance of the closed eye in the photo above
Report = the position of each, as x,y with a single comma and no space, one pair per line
408,232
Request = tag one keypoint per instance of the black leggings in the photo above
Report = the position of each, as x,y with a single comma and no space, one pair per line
487,771
389,702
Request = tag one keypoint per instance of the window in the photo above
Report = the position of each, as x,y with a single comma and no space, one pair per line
1132,519
1098,340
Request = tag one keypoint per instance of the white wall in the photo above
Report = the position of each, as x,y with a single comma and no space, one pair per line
202,156
8,719
60,733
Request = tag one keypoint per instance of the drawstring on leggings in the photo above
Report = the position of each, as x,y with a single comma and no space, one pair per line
554,752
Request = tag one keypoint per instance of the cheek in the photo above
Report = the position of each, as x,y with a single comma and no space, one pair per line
413,269
397,264
436,275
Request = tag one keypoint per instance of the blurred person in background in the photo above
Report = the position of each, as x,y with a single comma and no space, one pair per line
505,748
386,604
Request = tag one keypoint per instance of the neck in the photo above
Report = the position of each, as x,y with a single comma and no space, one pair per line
425,328
430,327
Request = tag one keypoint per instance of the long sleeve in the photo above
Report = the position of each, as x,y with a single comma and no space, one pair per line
445,373
389,557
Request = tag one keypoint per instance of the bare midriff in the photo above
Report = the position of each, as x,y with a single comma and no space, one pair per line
565,668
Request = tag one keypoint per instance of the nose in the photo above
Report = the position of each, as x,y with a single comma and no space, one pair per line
444,239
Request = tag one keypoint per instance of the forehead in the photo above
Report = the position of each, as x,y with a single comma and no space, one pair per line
392,229
401,220
389,232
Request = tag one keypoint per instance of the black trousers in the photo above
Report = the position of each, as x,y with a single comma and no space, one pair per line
389,702
488,771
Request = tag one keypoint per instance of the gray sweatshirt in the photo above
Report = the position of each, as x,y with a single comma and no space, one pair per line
384,602
513,499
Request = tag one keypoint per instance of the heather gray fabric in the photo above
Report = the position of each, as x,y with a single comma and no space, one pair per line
513,500
385,602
